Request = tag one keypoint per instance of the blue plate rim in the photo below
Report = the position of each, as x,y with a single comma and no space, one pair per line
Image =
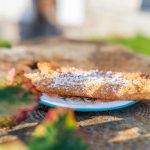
92,109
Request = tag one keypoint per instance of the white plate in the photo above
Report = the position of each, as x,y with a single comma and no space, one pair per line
86,105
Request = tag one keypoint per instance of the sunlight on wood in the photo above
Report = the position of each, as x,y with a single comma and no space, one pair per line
126,135
14,145
98,120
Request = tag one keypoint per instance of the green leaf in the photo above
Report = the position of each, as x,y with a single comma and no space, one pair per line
17,97
57,134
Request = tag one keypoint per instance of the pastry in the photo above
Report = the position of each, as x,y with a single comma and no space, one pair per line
66,81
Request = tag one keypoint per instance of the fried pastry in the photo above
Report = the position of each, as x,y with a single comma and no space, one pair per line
65,81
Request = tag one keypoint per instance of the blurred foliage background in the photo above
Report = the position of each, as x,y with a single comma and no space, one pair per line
5,43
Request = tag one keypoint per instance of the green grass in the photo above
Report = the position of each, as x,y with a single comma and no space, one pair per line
138,43
4,43
12,98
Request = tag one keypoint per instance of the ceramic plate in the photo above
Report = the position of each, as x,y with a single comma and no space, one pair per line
84,104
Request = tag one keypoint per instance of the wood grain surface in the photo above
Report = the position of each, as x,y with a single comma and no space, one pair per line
124,129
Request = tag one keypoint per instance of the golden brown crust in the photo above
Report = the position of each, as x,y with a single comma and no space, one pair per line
92,84
47,67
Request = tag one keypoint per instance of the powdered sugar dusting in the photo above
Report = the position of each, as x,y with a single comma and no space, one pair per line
92,84
80,80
